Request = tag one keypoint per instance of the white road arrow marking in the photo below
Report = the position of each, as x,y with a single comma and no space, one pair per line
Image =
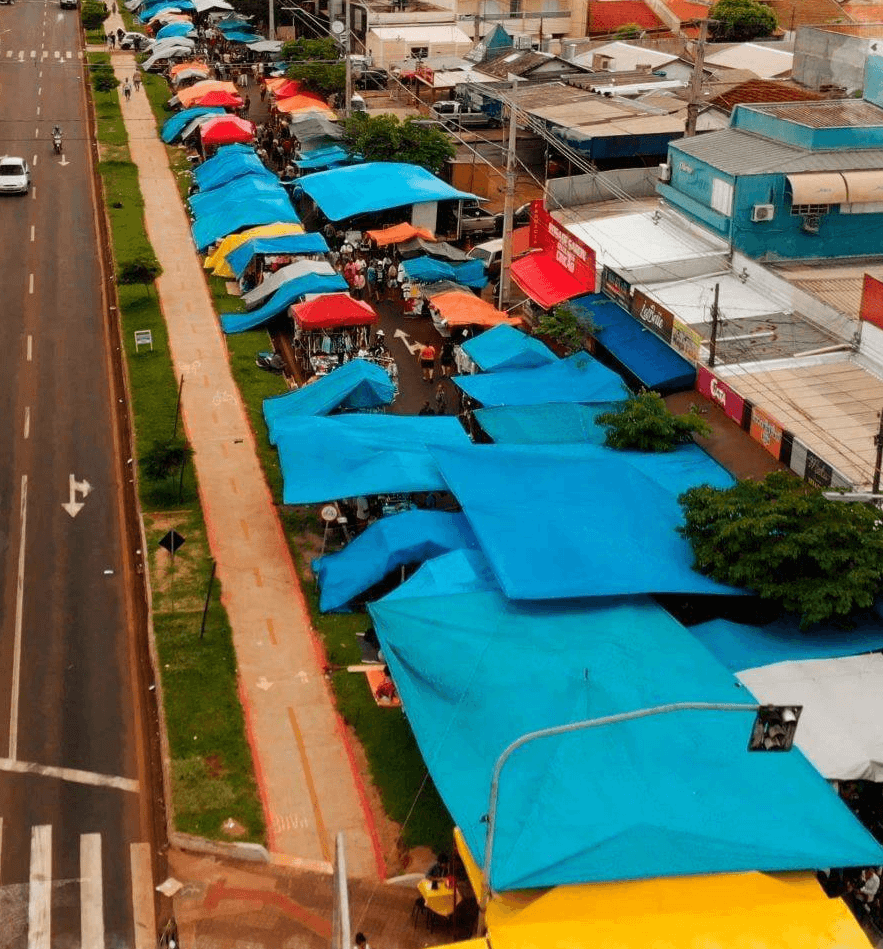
73,506
264,684
413,348
63,161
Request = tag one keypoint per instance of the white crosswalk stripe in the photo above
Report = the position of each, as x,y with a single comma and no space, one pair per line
91,892
40,889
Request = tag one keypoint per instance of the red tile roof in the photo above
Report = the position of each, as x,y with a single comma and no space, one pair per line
686,10
863,12
607,16
806,12
763,90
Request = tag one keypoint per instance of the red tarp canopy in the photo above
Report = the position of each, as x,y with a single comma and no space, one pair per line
219,97
545,281
331,310
461,308
291,87
398,234
226,129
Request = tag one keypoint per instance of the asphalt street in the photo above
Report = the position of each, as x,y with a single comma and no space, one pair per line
74,836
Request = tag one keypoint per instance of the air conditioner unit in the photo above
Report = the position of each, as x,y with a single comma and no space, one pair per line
763,212
665,172
811,223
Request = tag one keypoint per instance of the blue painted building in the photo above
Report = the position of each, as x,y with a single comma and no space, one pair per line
790,180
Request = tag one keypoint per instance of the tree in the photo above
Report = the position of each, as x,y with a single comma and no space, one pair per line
740,20
316,65
387,138
567,326
103,78
784,540
165,458
93,14
644,423
144,269
628,31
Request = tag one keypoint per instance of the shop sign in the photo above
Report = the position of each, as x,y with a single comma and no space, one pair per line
569,251
766,431
817,472
685,340
617,288
719,392
652,315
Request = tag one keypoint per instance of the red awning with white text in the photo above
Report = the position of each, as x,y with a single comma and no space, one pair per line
545,281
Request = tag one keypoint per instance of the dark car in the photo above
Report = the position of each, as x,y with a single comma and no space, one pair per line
520,217
371,79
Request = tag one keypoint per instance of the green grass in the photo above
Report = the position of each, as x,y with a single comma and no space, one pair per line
212,771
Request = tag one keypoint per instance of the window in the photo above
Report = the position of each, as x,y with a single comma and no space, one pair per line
722,196
798,210
873,207
514,7
419,52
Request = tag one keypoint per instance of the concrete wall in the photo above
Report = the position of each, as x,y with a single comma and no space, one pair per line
392,53
822,58
590,189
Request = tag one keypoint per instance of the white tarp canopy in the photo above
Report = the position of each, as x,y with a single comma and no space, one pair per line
841,727
290,272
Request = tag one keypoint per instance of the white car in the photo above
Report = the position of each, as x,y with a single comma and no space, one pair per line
15,176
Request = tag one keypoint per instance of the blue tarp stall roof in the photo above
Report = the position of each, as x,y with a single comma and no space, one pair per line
173,127
666,795
355,385
505,347
471,273
235,216
176,29
229,162
579,378
740,647
235,36
648,358
344,456
241,257
390,543
323,158
287,294
578,520
544,424
251,187
460,571
375,186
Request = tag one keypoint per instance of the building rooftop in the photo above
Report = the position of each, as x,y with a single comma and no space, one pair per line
792,14
430,33
625,57
686,10
864,12
872,31
607,16
736,152
762,90
765,61
839,113
836,283
523,62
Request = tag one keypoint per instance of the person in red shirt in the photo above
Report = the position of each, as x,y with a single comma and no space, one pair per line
427,362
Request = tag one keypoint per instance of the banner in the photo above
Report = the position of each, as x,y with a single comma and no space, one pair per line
871,310
617,288
573,255
719,392
652,315
767,431
686,341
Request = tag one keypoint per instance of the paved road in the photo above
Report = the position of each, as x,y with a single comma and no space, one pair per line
74,844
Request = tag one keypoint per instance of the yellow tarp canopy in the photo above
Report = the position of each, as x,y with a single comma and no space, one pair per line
726,911
217,260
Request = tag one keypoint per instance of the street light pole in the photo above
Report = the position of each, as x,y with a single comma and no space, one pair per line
769,717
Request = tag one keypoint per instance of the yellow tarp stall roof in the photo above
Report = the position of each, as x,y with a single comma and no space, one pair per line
217,260
727,911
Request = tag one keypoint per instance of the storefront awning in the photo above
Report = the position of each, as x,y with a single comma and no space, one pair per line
545,281
864,187
818,188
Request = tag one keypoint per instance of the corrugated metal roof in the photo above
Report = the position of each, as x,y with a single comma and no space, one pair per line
762,91
840,113
765,61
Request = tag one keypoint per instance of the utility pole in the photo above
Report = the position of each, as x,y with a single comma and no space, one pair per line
271,28
715,319
696,81
878,441
509,206
347,48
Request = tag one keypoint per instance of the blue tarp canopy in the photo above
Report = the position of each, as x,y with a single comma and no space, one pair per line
740,647
175,29
236,26
667,795
251,188
173,127
287,294
323,158
241,257
460,571
236,36
579,520
390,543
147,12
648,358
230,161
470,273
344,456
505,347
375,186
239,214
544,424
579,378
354,385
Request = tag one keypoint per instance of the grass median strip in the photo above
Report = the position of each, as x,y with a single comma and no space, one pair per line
212,771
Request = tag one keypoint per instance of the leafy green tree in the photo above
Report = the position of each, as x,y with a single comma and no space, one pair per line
784,540
93,14
644,423
165,458
567,326
628,31
740,20
387,138
316,65
143,269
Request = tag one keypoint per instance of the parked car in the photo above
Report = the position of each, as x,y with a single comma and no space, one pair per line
15,175
491,254
520,217
371,79
475,220
135,41
68,4
454,114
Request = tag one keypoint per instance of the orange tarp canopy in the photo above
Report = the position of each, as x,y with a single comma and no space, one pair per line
303,102
199,89
399,233
458,308
274,83
291,87
190,64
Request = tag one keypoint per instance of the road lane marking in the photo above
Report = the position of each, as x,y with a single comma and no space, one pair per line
38,110
40,890
73,775
33,194
27,421
142,897
35,165
91,892
30,347
33,232
1,847
19,604
311,787
30,283
39,90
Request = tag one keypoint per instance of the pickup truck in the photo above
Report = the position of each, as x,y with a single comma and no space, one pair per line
453,114
476,221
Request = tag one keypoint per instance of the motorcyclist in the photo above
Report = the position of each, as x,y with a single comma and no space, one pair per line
56,137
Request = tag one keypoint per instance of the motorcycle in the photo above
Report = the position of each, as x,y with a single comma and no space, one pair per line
56,142
270,362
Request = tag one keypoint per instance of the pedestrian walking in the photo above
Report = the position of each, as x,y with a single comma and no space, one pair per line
441,400
263,91
127,90
361,941
427,362
136,81
242,80
113,8
425,410
112,40
246,105
446,359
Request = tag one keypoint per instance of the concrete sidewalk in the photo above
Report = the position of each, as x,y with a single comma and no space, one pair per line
308,780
